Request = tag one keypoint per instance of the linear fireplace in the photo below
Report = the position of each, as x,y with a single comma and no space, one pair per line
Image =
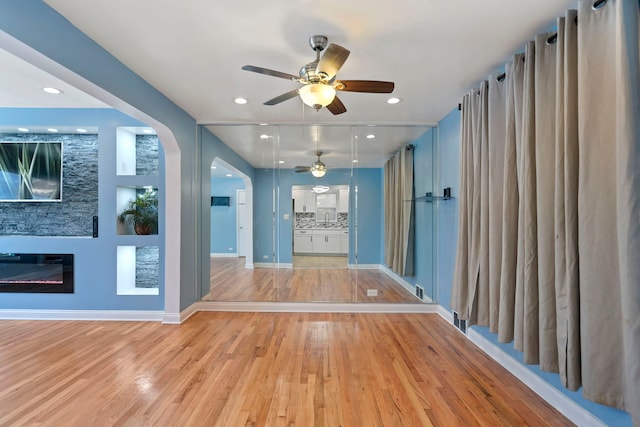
36,273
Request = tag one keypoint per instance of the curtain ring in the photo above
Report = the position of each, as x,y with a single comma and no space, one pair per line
501,77
598,4
552,39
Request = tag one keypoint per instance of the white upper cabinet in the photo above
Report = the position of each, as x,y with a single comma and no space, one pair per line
343,201
304,201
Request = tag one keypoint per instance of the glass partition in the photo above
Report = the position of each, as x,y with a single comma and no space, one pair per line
317,204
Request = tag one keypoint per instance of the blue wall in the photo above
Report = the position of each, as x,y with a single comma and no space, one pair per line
424,162
447,217
224,229
369,213
38,26
94,259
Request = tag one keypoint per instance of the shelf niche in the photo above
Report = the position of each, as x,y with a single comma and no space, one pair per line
138,270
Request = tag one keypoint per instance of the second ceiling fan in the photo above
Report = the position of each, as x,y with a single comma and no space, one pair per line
318,79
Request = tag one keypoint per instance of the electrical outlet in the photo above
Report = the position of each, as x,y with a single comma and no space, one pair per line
265,256
230,249
372,292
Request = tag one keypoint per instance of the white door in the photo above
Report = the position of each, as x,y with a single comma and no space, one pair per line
241,208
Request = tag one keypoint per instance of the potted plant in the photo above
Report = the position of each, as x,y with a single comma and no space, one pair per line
142,213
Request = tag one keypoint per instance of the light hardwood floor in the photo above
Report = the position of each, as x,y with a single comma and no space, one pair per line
231,281
257,369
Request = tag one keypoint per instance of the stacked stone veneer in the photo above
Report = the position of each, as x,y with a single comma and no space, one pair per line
308,220
146,155
73,216
147,266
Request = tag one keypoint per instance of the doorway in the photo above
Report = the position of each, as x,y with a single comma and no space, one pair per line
320,226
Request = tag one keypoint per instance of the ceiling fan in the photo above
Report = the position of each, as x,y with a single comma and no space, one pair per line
318,79
317,168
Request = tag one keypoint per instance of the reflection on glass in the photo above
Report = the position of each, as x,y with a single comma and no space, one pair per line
316,239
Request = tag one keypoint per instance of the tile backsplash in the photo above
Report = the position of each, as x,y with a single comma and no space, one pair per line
308,220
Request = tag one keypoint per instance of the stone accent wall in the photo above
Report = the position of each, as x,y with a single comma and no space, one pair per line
73,216
147,266
147,155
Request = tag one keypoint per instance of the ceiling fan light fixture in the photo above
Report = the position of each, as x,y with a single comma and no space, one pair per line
320,189
318,169
317,95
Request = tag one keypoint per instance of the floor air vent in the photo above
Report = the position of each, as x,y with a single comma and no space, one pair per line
420,292
461,324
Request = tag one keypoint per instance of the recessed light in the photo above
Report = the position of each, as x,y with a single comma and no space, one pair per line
240,101
281,161
355,161
371,136
264,124
52,130
80,130
23,130
229,175
147,131
213,167
393,100
263,136
52,90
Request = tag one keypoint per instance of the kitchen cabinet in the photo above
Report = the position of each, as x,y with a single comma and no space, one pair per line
320,241
326,241
304,201
344,242
343,201
302,242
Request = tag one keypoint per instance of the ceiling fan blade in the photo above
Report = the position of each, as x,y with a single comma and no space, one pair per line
332,60
282,98
269,72
336,106
370,86
299,169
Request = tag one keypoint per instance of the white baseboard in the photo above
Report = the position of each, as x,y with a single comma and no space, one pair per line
563,403
320,307
116,315
272,265
408,286
364,266
249,266
224,255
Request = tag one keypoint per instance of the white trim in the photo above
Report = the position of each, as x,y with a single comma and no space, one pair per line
117,315
563,403
272,265
445,314
249,266
223,255
364,266
314,307
408,286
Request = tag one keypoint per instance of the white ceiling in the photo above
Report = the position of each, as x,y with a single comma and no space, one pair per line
193,52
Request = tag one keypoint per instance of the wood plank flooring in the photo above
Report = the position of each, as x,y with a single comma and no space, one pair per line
231,281
258,369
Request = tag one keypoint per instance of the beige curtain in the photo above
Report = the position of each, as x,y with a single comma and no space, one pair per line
512,181
398,212
498,85
549,233
609,202
566,204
